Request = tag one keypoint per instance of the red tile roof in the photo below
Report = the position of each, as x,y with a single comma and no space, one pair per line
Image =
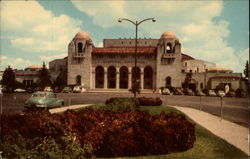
111,50
186,57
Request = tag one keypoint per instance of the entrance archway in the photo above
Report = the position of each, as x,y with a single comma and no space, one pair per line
148,78
111,77
123,77
168,81
78,80
99,77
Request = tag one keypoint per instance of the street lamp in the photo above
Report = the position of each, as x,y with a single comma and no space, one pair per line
136,23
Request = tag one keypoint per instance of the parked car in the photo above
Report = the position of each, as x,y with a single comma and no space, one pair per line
211,93
48,89
29,90
178,91
78,89
190,92
199,93
43,100
165,91
19,90
66,90
231,94
221,93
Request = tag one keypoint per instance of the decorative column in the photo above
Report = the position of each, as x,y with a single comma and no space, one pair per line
105,78
117,78
93,78
129,77
142,78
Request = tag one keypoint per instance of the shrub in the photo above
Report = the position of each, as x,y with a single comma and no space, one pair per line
89,132
147,101
121,104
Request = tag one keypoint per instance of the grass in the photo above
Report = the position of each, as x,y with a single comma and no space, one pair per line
207,145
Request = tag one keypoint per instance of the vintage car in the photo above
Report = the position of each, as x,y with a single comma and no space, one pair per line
78,89
66,90
199,93
211,93
221,93
165,91
48,89
19,90
43,100
178,91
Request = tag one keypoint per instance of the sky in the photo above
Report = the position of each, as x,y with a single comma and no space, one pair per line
35,31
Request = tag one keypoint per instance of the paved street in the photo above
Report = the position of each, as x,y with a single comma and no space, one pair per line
234,109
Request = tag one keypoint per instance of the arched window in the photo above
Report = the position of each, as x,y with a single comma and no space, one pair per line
78,80
123,77
148,78
136,72
168,81
111,77
168,48
79,46
99,77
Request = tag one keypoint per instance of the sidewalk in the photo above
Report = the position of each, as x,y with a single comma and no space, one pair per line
62,109
234,134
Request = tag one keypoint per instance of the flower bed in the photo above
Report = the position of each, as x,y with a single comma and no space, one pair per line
105,133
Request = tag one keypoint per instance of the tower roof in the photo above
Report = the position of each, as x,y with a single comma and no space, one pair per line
82,35
168,34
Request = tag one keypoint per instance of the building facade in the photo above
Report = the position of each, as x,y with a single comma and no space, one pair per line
160,63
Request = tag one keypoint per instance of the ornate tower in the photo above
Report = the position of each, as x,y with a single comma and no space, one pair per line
79,60
168,61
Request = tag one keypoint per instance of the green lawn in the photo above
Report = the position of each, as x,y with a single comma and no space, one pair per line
207,145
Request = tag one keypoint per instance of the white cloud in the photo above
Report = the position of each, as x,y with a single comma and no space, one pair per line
52,57
16,63
36,29
193,22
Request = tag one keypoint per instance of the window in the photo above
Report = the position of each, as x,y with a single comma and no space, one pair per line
80,49
168,48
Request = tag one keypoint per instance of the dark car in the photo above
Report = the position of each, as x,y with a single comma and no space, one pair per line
178,91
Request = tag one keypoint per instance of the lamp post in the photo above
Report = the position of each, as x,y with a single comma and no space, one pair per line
136,23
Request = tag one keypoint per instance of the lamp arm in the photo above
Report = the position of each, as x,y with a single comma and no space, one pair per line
146,20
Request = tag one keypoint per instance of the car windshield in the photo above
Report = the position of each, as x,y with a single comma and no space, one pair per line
38,95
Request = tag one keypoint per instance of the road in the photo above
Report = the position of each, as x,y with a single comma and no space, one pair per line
234,109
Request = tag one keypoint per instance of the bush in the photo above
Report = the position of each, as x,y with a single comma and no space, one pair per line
89,132
121,104
147,101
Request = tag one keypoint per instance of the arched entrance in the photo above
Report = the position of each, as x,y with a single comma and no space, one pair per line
111,77
99,77
123,77
78,80
136,72
148,78
168,82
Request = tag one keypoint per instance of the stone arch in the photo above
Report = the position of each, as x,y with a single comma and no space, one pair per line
111,77
148,77
123,77
99,77
80,47
136,74
78,80
168,81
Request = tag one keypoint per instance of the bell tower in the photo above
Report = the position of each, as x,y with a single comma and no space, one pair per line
168,61
79,60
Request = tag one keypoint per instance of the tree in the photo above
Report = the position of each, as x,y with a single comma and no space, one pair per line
246,70
61,80
9,79
45,78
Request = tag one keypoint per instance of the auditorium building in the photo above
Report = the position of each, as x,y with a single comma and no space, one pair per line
160,63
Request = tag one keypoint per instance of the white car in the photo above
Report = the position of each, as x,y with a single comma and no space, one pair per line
211,93
78,89
221,94
19,90
48,89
